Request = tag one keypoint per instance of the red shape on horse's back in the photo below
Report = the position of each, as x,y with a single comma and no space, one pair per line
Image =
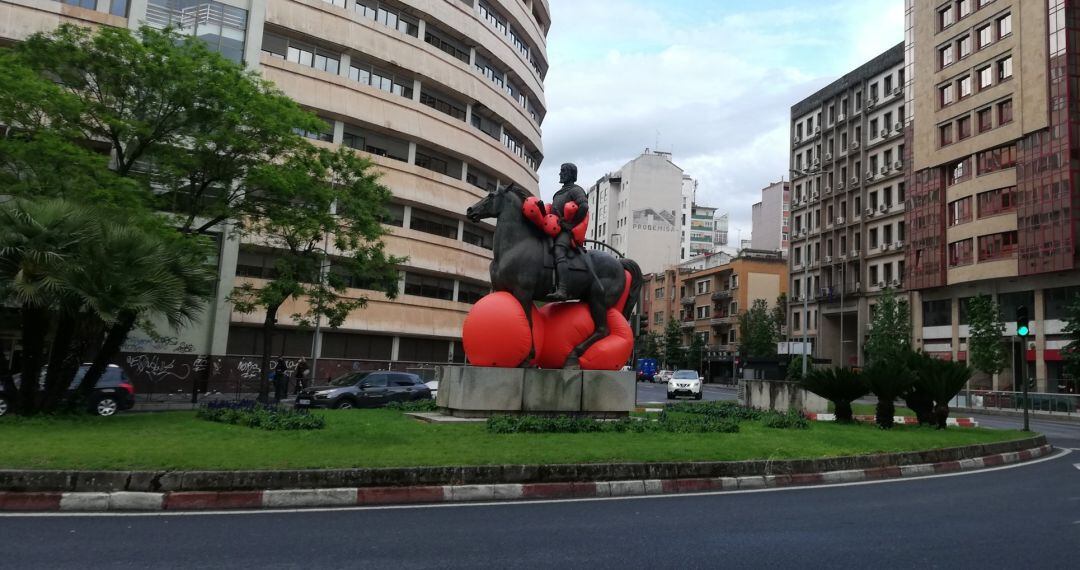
569,210
496,332
569,324
580,230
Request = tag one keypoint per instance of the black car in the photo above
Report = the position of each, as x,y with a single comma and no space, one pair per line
365,390
113,391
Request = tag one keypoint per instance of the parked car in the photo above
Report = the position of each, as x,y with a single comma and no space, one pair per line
433,385
684,383
365,390
663,376
112,394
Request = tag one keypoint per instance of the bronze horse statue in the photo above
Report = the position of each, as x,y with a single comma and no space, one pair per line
523,261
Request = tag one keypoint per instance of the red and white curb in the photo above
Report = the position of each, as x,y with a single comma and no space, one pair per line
368,496
903,420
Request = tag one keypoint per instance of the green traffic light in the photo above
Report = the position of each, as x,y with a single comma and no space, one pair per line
1022,331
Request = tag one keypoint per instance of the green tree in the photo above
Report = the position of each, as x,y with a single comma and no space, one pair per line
985,349
940,381
1071,353
890,330
648,345
315,200
757,331
674,355
696,352
888,380
839,385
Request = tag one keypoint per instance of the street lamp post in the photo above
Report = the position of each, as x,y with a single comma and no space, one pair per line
806,293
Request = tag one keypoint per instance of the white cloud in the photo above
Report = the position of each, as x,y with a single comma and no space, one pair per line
713,83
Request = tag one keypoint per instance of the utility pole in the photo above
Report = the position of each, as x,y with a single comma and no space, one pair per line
1022,331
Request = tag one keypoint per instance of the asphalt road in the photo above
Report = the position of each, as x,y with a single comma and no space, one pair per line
648,392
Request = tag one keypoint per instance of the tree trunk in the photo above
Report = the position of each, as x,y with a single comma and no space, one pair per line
6,380
115,339
63,362
941,416
844,415
269,326
885,411
35,325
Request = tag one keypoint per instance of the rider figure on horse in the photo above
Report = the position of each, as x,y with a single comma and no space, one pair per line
573,195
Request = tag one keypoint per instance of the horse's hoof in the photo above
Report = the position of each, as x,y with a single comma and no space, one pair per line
572,364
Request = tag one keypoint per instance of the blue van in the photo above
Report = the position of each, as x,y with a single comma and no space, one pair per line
646,369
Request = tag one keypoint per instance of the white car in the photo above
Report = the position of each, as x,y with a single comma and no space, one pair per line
433,385
663,376
684,383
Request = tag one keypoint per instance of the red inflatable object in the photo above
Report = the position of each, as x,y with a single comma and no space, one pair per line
496,332
570,211
535,212
568,324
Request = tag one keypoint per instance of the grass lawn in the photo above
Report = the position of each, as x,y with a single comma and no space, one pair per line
869,410
386,438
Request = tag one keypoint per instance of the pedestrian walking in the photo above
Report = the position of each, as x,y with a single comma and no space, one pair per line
281,379
301,374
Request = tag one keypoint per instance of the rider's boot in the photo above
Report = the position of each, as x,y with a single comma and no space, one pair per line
560,293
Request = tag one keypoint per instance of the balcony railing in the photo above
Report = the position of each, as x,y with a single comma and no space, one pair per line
724,320
721,295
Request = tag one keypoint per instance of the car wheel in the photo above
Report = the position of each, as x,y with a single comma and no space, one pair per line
698,396
670,396
344,405
3,405
106,406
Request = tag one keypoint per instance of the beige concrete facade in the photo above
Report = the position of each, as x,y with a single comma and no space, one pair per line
463,116
1009,66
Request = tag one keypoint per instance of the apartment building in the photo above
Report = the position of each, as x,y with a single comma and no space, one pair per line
707,302
445,98
638,210
848,228
771,219
993,180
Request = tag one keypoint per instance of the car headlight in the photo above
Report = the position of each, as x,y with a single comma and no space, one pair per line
323,395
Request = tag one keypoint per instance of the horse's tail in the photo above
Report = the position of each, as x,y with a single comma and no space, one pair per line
636,281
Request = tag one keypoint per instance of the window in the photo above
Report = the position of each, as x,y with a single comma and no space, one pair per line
873,238
986,36
429,286
947,94
937,313
874,274
986,119
658,318
996,159
1005,112
959,171
997,201
442,103
702,312
478,236
997,246
960,211
945,134
945,56
701,287
1004,25
325,134
412,349
946,17
356,346
1005,68
965,86
428,222
395,215
471,292
220,27
963,128
964,46
388,16
963,8
986,77
369,74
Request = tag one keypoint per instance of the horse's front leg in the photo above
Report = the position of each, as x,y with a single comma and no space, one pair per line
527,306
598,311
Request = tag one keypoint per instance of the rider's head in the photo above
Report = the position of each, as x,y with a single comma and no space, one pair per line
568,173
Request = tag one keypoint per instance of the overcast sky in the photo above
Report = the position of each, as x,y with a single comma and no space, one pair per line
711,81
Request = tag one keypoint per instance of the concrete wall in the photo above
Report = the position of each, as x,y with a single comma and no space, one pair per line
781,396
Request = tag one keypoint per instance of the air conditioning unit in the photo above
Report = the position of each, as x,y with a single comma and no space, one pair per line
817,130
898,126
884,133
842,256
798,140
899,244
881,284
870,103
841,117
898,91
885,246
869,174
840,219
855,145
814,196
828,259
840,185
828,190
895,282
854,253
816,164
898,164
869,212
854,180
884,208
828,156
884,170
858,286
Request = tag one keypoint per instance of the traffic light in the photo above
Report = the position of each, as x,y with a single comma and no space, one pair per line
1022,321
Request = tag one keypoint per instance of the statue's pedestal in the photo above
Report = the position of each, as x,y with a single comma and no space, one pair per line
469,391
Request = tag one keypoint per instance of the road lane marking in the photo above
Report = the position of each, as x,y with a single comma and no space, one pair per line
1057,455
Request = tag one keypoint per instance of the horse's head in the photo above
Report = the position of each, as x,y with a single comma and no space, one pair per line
491,205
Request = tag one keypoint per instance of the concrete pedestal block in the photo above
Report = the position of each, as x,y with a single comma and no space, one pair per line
468,391
552,391
608,391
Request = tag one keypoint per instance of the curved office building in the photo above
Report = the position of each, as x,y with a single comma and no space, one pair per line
444,96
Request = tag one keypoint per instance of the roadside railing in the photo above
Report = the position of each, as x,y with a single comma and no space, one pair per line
1041,402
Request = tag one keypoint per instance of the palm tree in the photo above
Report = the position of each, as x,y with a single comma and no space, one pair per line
38,241
839,385
942,380
887,380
